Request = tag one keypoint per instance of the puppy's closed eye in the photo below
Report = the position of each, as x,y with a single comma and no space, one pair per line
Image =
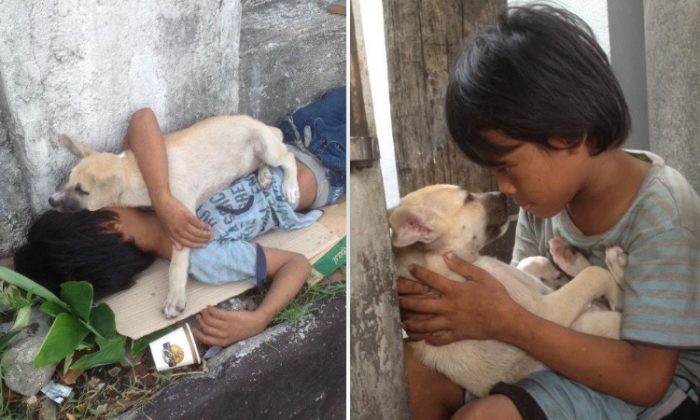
80,190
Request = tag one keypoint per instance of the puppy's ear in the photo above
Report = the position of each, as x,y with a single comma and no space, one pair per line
77,148
107,193
410,226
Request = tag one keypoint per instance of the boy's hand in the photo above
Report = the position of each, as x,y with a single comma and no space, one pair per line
183,227
414,289
479,308
221,327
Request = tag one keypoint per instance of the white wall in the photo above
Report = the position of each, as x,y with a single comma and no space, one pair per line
373,30
593,12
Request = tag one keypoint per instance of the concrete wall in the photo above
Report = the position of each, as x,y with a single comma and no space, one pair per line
628,60
673,60
82,68
593,12
291,51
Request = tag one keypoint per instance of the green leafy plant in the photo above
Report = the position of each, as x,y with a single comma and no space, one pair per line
78,324
14,301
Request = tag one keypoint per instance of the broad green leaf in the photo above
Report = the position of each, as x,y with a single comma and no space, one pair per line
111,351
24,315
31,286
78,295
51,308
64,335
92,329
102,320
139,345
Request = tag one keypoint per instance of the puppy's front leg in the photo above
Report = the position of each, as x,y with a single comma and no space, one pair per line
566,304
177,280
566,257
179,261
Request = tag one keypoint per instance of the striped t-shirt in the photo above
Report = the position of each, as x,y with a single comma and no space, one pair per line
661,234
239,213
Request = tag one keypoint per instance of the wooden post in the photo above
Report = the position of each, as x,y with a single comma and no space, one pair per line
377,380
423,40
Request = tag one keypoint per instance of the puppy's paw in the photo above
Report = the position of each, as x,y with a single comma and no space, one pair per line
543,269
616,259
290,189
175,303
264,177
561,252
566,257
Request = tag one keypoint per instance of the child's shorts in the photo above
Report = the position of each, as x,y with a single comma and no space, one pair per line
317,132
327,192
548,395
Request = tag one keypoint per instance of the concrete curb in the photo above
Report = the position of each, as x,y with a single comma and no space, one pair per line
285,373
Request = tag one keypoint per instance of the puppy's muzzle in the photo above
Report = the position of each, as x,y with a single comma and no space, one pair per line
64,203
496,206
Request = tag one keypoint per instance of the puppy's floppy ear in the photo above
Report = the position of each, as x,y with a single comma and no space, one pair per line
411,225
77,148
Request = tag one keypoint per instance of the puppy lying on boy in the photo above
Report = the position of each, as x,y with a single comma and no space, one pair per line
202,159
437,219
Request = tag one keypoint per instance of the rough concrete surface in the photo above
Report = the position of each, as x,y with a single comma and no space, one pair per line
287,372
15,212
291,52
82,68
673,82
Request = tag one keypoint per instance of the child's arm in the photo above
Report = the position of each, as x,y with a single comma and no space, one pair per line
288,271
145,139
482,309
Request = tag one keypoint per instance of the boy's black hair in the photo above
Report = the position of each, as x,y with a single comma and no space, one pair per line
79,246
538,73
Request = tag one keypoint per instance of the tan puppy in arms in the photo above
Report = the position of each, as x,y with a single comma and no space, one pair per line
434,220
202,159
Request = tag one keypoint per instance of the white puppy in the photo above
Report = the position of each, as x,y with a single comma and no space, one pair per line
431,221
202,159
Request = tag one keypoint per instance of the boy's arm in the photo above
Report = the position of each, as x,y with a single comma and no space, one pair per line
288,271
146,140
482,309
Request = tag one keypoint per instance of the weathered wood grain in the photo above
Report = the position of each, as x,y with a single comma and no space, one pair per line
423,40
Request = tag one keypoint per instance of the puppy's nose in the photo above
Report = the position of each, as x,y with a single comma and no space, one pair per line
52,202
497,195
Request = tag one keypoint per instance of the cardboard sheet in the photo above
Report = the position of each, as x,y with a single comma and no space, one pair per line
138,309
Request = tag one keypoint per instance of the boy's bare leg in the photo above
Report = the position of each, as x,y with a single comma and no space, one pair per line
493,407
432,395
288,270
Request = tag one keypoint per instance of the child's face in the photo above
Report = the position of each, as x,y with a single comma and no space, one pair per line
135,226
542,181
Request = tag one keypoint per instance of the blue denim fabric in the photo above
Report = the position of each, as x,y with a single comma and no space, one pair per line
562,398
319,128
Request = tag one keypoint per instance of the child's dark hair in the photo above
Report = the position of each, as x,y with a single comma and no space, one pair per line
538,73
79,246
